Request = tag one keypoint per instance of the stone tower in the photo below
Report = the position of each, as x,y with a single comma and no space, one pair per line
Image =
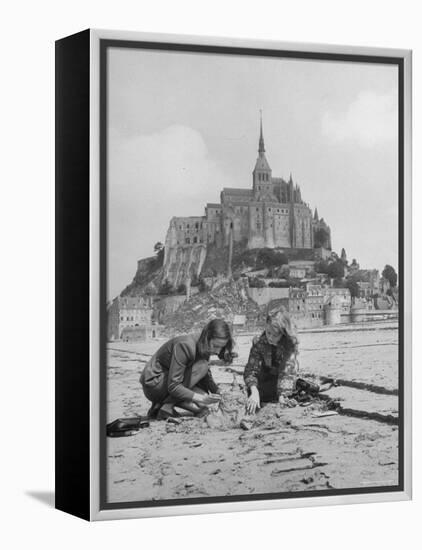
262,173
332,311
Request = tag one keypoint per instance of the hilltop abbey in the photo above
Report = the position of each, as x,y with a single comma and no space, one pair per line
271,214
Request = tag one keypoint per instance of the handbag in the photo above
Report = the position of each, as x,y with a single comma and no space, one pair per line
126,426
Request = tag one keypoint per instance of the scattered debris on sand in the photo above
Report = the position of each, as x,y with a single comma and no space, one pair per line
278,450
225,301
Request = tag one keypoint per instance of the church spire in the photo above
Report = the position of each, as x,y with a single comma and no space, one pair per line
261,148
262,180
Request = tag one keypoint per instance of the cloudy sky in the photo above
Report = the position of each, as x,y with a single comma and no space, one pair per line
184,125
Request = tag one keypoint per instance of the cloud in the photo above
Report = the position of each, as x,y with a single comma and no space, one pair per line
173,164
151,179
370,120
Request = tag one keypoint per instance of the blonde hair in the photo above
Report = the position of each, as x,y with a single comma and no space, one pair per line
281,321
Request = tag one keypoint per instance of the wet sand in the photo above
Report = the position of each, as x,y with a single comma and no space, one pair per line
285,449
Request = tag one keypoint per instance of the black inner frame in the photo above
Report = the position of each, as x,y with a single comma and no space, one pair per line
273,53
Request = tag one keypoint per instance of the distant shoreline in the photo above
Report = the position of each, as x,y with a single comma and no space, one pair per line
352,327
349,327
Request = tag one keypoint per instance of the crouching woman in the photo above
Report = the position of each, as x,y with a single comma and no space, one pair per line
179,372
271,371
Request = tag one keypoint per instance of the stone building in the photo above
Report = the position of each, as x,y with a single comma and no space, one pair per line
140,333
318,305
270,214
306,307
344,298
125,312
299,269
365,290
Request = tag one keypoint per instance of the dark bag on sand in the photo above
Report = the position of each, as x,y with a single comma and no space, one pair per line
306,386
126,426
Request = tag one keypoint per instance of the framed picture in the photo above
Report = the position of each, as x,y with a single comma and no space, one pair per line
233,274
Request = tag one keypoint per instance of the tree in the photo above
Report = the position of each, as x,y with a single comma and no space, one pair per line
353,286
321,237
268,257
203,287
390,274
362,276
194,280
159,251
181,289
166,288
150,289
322,267
336,270
158,247
209,272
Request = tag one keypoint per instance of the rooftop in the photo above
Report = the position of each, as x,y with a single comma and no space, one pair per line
237,191
129,302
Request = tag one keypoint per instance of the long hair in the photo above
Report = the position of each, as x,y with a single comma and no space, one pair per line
282,322
217,328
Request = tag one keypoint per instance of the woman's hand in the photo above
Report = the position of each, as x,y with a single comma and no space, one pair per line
282,400
204,399
253,403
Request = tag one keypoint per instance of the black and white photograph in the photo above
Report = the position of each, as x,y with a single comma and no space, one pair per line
213,209
253,279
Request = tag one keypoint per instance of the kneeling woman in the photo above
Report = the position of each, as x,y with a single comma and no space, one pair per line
271,371
179,372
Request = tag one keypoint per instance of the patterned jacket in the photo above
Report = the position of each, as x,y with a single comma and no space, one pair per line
266,360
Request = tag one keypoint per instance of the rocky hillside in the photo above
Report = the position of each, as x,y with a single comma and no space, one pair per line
225,301
147,277
151,276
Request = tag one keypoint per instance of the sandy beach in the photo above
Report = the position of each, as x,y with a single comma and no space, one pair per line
284,449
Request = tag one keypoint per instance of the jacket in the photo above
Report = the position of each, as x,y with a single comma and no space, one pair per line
266,360
172,360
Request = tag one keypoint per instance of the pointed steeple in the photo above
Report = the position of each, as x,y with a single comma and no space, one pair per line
261,147
316,215
262,171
